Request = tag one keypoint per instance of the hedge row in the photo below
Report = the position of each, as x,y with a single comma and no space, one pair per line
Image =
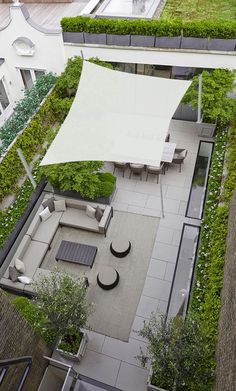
170,28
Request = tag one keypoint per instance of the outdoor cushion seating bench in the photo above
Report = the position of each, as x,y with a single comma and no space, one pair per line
39,236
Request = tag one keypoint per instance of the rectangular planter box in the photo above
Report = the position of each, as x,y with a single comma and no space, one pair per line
73,37
142,41
168,42
78,356
77,195
194,43
118,40
222,44
99,39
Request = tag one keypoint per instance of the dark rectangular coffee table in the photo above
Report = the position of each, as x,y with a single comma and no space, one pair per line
77,253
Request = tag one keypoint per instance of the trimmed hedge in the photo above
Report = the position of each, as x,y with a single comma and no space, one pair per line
161,28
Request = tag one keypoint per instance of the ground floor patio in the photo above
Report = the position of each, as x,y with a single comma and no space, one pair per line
112,360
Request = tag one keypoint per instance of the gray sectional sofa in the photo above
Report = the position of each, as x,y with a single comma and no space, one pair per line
39,236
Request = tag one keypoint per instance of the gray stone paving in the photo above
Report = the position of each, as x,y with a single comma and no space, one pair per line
112,361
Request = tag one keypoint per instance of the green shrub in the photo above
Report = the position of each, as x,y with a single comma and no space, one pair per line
173,27
107,177
106,189
34,317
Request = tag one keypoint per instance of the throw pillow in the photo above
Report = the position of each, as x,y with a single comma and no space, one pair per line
98,213
90,211
13,273
25,280
19,265
45,214
50,203
60,206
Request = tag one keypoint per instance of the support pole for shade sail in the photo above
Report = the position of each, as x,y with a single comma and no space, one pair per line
161,193
26,167
199,108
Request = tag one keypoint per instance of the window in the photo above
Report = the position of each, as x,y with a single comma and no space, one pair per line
30,75
4,101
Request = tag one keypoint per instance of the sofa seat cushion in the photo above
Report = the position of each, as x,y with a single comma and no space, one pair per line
34,257
77,218
46,230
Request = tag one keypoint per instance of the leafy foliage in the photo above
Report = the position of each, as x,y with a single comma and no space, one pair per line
215,102
25,109
179,352
34,317
71,342
80,176
61,298
158,27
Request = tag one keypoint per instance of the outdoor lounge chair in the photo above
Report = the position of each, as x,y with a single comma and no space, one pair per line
121,165
136,169
179,156
155,170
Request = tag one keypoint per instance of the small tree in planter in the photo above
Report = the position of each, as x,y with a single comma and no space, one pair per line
61,298
179,353
215,100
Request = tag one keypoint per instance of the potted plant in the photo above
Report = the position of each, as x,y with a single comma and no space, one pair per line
179,353
73,345
61,299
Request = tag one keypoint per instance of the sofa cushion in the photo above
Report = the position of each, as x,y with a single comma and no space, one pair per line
47,229
34,257
24,279
60,205
19,265
35,223
90,211
77,218
49,203
98,213
45,214
13,273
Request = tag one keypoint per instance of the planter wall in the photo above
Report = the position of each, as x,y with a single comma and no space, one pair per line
151,41
194,43
168,42
99,39
77,195
142,40
118,40
73,37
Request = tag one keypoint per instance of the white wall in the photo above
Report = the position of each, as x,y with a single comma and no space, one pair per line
49,52
183,58
6,78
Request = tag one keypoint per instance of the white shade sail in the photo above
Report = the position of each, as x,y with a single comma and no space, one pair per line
117,116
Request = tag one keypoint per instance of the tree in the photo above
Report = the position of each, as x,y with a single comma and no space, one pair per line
216,104
179,353
61,298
